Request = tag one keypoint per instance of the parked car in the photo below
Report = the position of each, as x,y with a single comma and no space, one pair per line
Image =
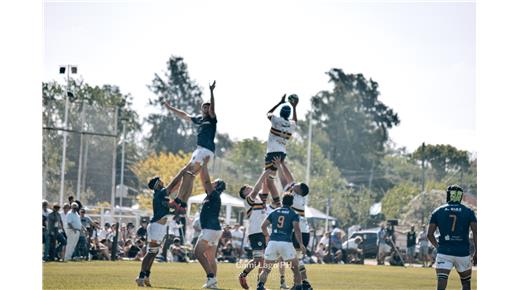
369,244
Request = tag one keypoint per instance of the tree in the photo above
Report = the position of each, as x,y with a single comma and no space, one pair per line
356,123
396,200
443,159
164,165
91,109
169,133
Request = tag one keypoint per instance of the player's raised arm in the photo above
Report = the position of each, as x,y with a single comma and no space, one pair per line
176,182
258,185
293,100
283,178
212,101
177,112
270,112
286,173
431,235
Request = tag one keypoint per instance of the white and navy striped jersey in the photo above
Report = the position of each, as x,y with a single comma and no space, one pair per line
298,206
256,213
281,131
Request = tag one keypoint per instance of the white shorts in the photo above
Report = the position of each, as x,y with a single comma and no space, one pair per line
156,232
447,262
200,154
210,236
277,249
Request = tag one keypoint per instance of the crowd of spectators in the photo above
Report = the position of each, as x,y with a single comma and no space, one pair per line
69,233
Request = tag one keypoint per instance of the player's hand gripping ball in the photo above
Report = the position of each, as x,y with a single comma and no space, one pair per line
293,99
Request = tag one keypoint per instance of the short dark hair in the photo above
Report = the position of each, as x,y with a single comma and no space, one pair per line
305,189
241,191
287,199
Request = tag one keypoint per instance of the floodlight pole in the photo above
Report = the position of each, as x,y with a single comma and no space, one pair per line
80,162
65,133
309,141
121,183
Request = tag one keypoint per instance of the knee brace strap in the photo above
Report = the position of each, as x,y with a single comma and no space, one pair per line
153,250
442,276
466,278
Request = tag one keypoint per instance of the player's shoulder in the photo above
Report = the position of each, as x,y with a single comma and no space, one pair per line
441,209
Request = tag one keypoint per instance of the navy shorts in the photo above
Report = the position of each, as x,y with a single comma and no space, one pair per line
269,157
257,241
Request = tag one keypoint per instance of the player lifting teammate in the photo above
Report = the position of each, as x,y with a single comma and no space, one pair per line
206,129
300,191
454,221
283,220
280,132
157,227
256,213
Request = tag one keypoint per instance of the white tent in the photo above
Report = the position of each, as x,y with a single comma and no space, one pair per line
227,200
312,213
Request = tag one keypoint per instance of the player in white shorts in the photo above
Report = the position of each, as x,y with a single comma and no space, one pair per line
454,221
283,221
157,227
300,191
206,124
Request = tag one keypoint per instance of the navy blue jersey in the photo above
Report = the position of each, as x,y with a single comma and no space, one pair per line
282,220
453,221
206,129
210,212
160,204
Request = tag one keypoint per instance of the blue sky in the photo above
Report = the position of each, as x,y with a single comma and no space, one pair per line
422,54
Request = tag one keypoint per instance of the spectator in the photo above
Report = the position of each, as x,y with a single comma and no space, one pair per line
178,252
131,250
226,236
55,230
104,233
381,245
141,232
335,241
424,246
410,245
71,200
45,233
82,248
320,253
395,259
72,230
237,234
227,253
325,239
352,251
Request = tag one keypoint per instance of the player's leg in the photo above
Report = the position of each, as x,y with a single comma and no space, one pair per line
257,260
204,176
281,269
200,249
465,279
443,267
463,267
156,232
269,166
296,272
211,253
300,256
146,265
266,269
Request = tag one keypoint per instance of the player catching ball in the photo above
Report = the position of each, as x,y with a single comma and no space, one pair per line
280,132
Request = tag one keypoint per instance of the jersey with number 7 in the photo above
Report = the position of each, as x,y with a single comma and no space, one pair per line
453,221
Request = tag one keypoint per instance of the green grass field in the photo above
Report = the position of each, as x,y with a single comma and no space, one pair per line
121,275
